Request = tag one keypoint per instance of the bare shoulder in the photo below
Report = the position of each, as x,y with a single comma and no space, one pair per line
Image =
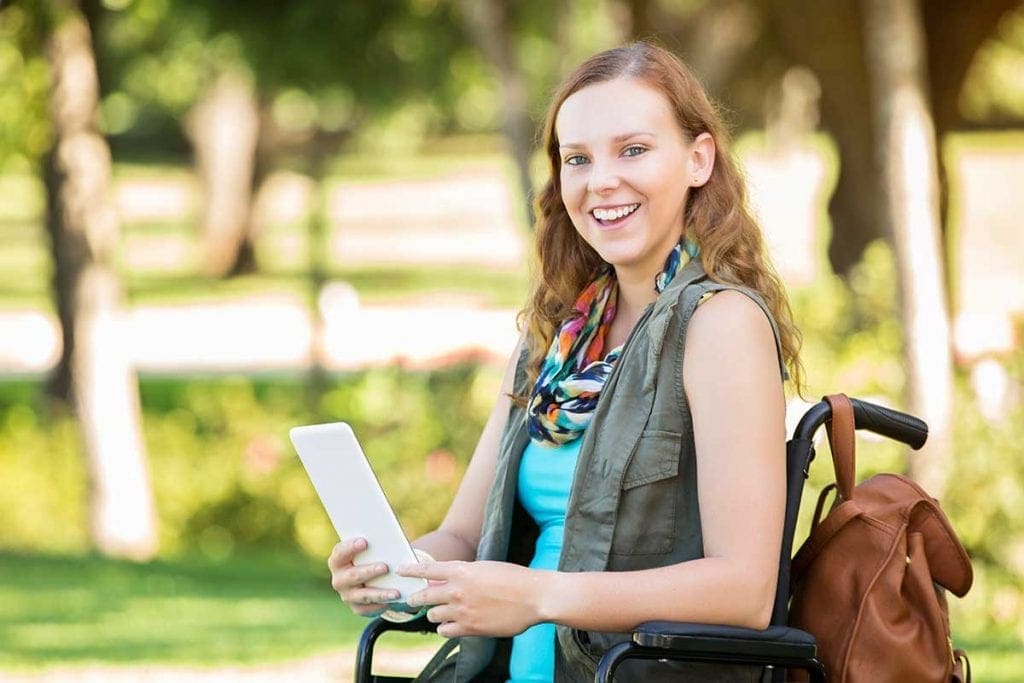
729,343
726,314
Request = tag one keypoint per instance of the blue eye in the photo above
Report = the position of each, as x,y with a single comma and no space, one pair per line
634,150
575,160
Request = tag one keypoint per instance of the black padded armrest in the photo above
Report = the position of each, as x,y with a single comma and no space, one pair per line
774,641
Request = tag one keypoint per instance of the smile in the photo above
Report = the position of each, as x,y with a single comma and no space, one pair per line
611,215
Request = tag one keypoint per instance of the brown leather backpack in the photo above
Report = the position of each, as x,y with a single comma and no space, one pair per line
868,582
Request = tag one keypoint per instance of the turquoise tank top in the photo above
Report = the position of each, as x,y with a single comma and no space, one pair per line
545,478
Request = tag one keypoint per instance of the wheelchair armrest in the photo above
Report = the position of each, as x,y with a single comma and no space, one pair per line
418,625
373,631
776,646
774,641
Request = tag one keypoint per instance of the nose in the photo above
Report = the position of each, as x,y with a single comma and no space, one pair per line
603,178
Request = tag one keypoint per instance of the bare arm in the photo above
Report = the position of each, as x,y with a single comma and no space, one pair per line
732,382
459,534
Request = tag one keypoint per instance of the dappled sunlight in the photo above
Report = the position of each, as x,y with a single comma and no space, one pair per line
368,336
978,331
786,192
267,332
461,218
157,197
274,332
29,341
992,386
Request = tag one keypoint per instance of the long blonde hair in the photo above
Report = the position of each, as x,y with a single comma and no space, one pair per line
716,216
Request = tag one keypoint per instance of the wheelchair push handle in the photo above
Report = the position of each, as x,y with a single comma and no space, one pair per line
874,418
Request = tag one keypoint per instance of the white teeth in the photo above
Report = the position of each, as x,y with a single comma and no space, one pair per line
614,214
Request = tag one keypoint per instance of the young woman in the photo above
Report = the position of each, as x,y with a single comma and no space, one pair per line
633,468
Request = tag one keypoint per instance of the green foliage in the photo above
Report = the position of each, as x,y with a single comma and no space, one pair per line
24,84
47,507
994,88
225,476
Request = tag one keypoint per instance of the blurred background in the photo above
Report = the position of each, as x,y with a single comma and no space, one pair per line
221,220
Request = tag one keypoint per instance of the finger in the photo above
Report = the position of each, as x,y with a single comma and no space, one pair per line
441,571
345,551
377,597
355,576
439,614
443,594
451,629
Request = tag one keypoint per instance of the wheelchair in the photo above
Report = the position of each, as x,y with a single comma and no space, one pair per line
776,648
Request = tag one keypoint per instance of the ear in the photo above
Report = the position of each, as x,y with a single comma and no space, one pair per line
702,159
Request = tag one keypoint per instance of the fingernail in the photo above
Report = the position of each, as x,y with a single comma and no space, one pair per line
360,543
382,567
394,595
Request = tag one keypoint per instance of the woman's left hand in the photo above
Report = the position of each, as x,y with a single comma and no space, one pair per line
478,598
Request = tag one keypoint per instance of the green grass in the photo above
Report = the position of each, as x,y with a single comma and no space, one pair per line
995,657
68,610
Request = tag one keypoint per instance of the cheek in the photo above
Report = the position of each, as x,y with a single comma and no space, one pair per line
573,188
670,193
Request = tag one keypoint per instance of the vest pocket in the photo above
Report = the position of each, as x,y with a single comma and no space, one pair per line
648,502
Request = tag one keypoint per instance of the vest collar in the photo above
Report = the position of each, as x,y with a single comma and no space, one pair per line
691,272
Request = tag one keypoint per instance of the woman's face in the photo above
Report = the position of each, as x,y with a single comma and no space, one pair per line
626,171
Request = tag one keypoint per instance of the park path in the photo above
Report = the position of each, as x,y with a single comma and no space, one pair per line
273,333
333,667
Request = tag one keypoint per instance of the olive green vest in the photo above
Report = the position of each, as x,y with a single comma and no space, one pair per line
633,503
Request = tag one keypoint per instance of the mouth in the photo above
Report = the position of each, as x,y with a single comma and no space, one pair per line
614,217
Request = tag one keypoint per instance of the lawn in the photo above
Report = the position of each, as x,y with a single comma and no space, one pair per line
68,611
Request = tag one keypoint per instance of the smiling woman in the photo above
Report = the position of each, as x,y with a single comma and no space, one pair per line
626,191
611,485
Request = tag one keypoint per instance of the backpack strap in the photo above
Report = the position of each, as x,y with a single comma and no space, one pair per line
822,534
841,441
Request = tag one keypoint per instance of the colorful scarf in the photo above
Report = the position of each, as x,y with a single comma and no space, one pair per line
576,366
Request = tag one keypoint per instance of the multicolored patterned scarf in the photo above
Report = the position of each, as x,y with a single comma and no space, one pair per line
576,366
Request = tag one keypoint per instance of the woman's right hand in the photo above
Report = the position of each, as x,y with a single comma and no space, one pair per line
350,579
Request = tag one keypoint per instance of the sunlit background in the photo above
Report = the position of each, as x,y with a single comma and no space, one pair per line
253,215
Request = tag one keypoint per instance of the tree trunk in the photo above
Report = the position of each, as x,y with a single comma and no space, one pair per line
488,23
909,183
224,127
95,370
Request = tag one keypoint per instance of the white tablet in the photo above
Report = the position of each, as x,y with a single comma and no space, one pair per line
355,502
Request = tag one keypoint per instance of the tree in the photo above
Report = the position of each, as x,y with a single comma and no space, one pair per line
225,130
909,183
740,47
94,372
489,22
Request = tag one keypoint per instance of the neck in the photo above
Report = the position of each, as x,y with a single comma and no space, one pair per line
636,292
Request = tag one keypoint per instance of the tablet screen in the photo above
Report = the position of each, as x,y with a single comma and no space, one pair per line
355,501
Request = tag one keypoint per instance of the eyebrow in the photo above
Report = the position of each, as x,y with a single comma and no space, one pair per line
617,138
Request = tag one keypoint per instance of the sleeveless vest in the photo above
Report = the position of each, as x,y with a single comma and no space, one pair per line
633,503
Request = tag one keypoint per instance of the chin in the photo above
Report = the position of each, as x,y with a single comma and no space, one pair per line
618,260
